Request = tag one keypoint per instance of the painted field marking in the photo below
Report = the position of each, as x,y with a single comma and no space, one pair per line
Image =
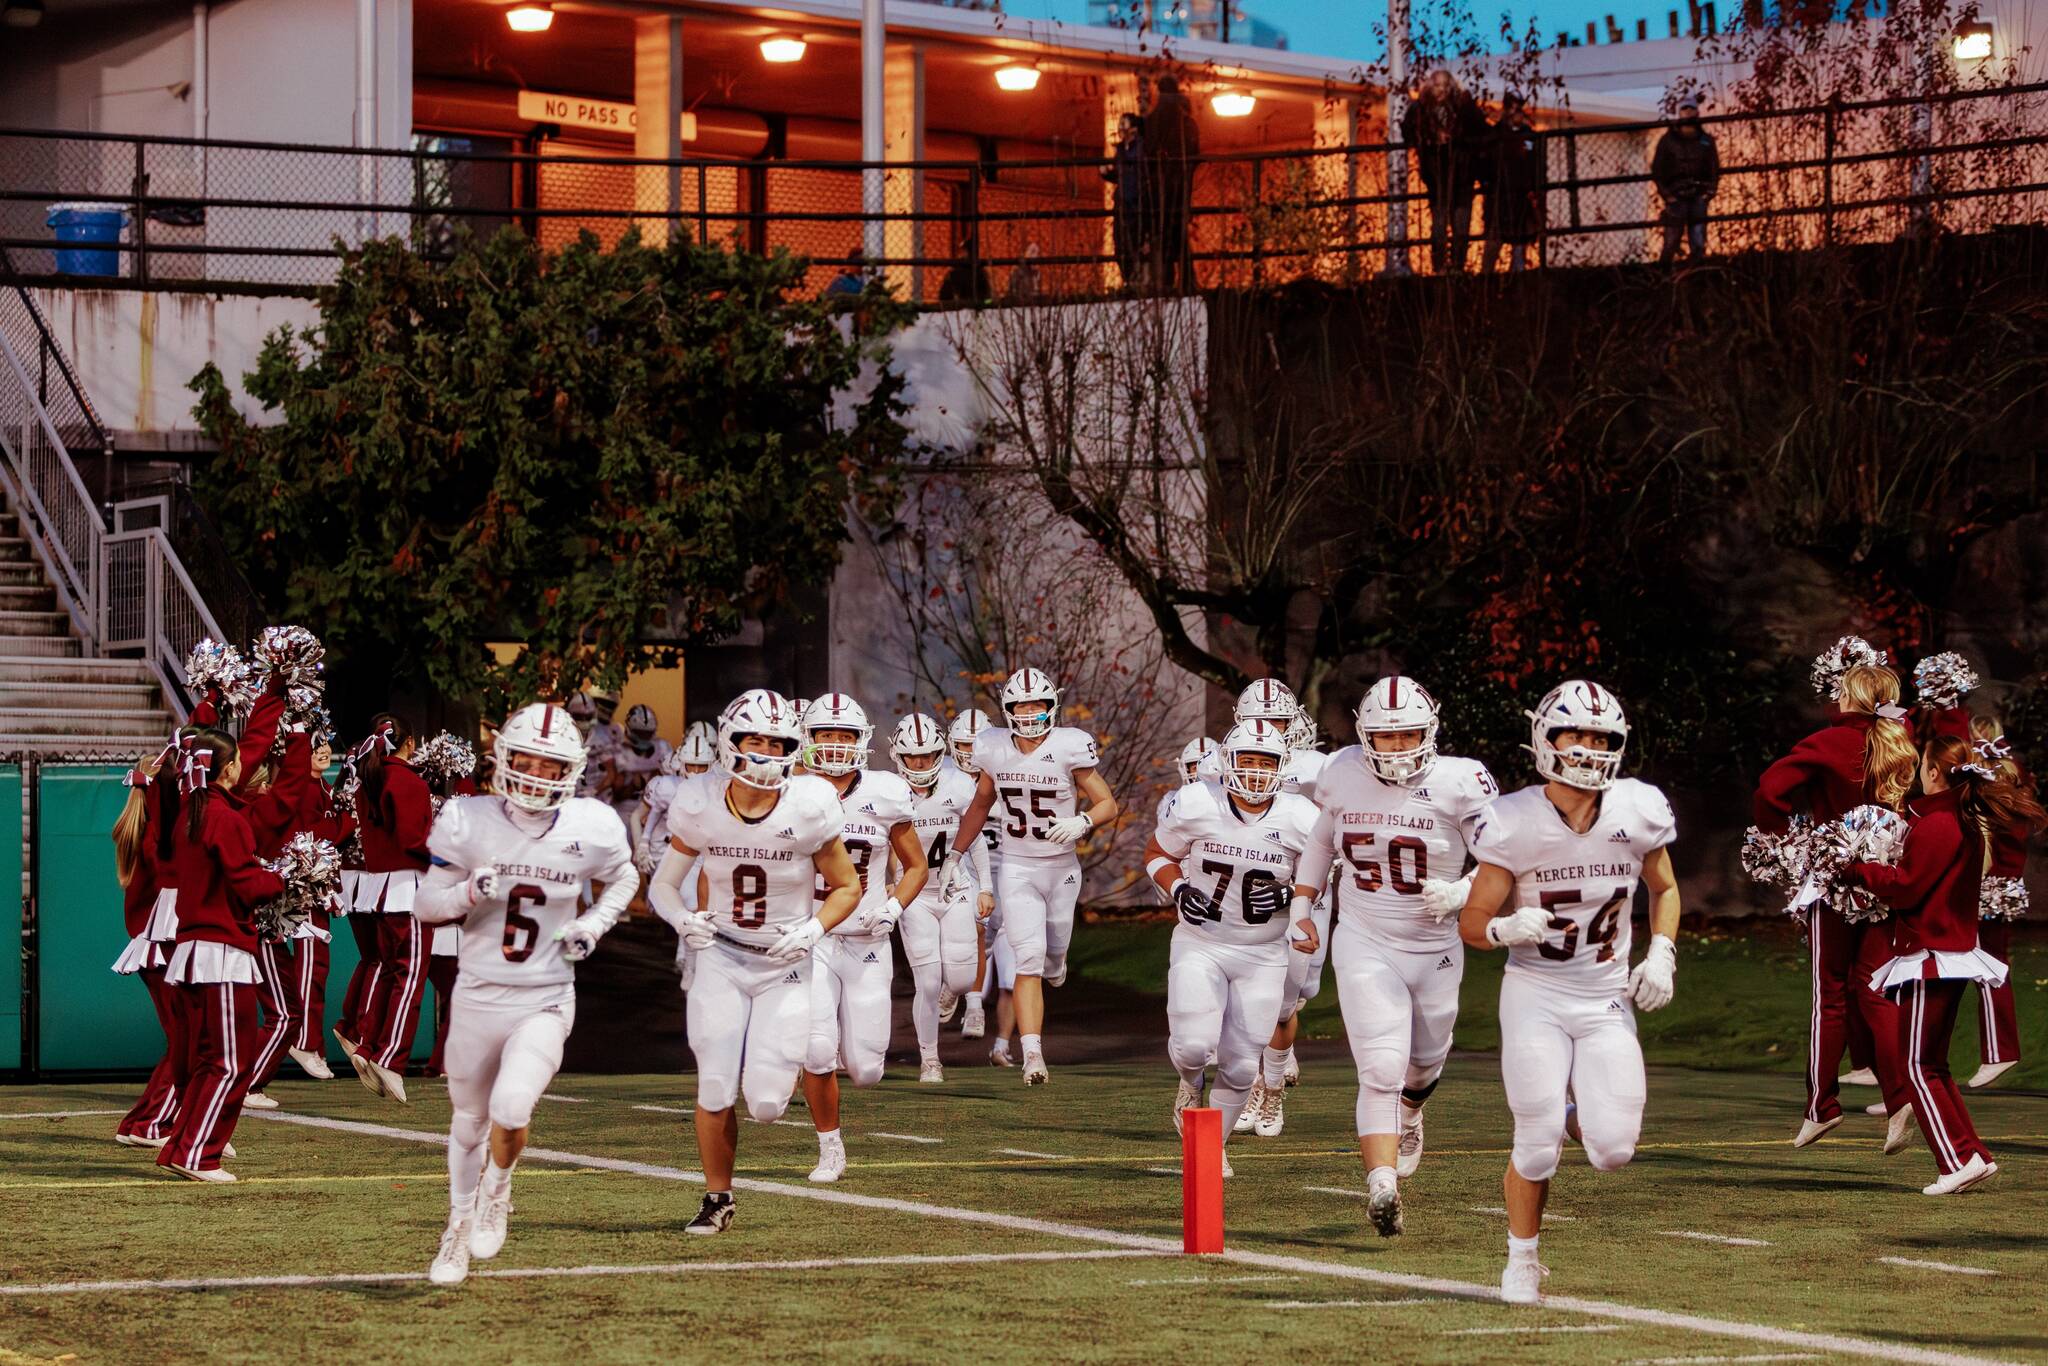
164,1178
664,1110
1026,1152
1712,1238
528,1273
63,1114
1717,1361
1501,1210
1210,1280
1949,1267
791,1123
1164,1171
1348,1304
564,1100
1536,1328
905,1138
1267,1261
1337,1190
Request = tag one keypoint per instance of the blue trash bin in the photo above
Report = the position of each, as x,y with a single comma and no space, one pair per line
87,222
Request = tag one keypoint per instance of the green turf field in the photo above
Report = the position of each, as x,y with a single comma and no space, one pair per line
920,1252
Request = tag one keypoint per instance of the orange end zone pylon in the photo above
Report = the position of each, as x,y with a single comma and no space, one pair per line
1201,1180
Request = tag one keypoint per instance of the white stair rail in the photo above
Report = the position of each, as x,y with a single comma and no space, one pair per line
58,516
151,607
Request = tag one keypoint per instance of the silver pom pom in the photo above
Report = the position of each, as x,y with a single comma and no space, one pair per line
1868,834
444,760
1763,857
1845,654
2002,898
217,666
294,653
311,869
1944,680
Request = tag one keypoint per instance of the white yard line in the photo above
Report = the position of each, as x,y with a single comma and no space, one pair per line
664,1110
1336,1190
1026,1152
1210,1280
63,1114
564,1100
1949,1267
1839,1344
527,1273
1348,1304
1536,1328
1501,1211
1712,1238
1720,1361
1164,1171
905,1138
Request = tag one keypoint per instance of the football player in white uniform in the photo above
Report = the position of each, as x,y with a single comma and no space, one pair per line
635,762
1397,821
509,867
995,967
851,970
1227,854
1198,760
691,759
938,932
1272,701
1565,855
766,836
1041,772
600,738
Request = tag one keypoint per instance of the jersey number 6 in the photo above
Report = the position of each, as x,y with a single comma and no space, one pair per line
522,931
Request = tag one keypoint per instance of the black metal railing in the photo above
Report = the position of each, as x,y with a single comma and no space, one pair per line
278,215
53,380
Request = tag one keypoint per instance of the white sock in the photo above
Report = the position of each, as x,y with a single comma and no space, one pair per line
1521,1249
1030,1043
1000,1046
828,1139
1409,1113
1288,1057
1379,1176
461,1208
1273,1070
497,1179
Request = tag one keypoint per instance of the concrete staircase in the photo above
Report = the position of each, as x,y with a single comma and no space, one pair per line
52,698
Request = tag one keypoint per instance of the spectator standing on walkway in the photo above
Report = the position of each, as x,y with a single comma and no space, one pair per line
1687,170
1126,172
1172,143
1514,174
1447,131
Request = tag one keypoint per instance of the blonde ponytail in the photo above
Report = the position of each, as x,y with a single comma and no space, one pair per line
1889,759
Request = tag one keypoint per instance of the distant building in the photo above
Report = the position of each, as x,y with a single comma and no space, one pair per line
1200,19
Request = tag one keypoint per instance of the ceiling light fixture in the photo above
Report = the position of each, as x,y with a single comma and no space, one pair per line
1973,42
1017,77
530,18
782,48
1232,103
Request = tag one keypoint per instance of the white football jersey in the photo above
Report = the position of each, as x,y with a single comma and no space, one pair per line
509,940
1033,790
604,737
1303,772
936,812
661,790
632,770
877,803
1220,850
758,873
1387,837
1587,882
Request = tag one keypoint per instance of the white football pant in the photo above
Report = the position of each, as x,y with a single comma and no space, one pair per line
850,1012
1305,970
1399,1008
749,1020
1553,1042
504,1047
938,943
1038,896
1223,1002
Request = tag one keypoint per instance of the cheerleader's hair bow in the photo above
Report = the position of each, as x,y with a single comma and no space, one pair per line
198,771
1995,749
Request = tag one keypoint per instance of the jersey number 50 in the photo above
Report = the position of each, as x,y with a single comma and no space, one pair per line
1407,881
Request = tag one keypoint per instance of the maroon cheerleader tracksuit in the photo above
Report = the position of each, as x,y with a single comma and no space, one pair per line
1936,959
274,817
1997,1012
395,827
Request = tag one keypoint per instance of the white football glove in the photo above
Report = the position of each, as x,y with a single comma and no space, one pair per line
1068,829
1651,986
1523,925
482,884
883,918
797,943
696,930
578,940
949,877
1444,897
1302,932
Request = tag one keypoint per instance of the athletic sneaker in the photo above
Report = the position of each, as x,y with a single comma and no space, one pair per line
1000,1057
487,1229
1963,1177
1272,1114
1862,1076
140,1141
1383,1207
222,1176
1810,1131
1992,1071
1522,1282
451,1263
831,1162
714,1215
366,1073
389,1083
1227,1172
948,1003
1034,1069
311,1063
1411,1148
931,1071
1252,1103
348,1045
1898,1130
974,1023
1188,1094
256,1100
1292,1074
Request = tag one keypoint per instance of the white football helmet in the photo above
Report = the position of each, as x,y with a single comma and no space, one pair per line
698,750
1398,704
759,712
1582,706
1268,700
1027,686
545,731
1192,754
917,736
836,711
1255,737
583,712
1301,731
640,726
961,735
605,704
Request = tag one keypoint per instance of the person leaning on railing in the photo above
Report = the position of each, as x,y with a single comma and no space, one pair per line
1448,132
1172,143
1687,170
1513,173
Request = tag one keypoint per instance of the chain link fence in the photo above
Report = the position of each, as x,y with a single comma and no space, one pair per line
280,216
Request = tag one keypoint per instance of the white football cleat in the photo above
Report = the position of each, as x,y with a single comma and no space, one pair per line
1035,1073
1522,1282
1252,1102
1992,1071
1291,1074
138,1141
1227,1172
222,1176
1809,1131
831,1163
1410,1157
1272,1114
1898,1131
1963,1177
1188,1094
948,1003
256,1100
974,1023
1862,1076
1383,1208
931,1072
487,1226
1000,1057
311,1063
451,1263
713,1216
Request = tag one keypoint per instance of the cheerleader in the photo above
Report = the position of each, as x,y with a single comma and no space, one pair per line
278,806
362,918
396,812
2002,901
213,967
1935,954
1866,756
142,859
